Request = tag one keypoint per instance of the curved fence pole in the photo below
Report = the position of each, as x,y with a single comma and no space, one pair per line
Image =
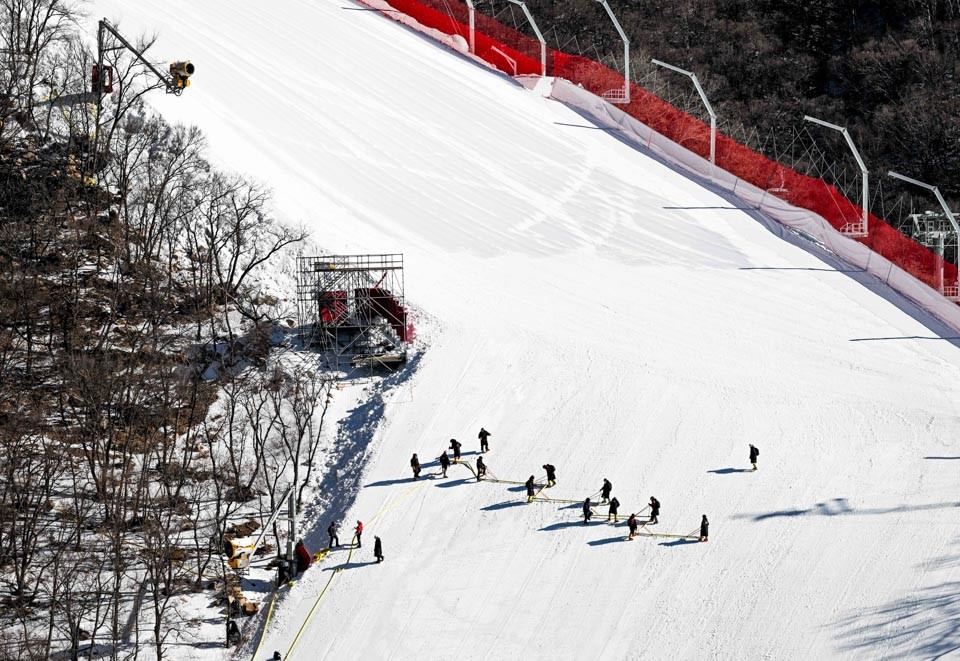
949,214
706,102
543,42
472,9
626,54
849,229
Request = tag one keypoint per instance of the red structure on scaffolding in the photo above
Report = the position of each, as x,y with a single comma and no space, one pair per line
352,307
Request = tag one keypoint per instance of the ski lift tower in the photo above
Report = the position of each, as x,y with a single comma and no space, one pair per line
934,231
352,308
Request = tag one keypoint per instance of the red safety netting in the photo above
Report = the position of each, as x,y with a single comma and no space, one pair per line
516,54
505,48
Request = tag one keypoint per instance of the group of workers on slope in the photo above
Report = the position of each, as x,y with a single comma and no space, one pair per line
304,558
613,505
551,471
455,446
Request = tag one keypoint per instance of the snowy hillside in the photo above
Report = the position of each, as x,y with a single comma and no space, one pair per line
601,312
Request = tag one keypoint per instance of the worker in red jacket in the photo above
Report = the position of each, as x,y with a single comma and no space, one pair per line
303,557
358,531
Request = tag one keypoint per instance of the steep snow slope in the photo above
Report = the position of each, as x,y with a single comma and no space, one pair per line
599,311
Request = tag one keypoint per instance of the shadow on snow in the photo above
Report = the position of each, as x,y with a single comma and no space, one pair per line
504,505
924,624
564,524
455,483
680,542
607,540
840,507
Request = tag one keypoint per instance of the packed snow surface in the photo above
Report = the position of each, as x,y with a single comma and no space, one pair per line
599,311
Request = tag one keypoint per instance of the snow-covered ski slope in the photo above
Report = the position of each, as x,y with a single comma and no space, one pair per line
596,310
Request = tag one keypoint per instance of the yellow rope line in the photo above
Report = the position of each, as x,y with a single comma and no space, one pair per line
383,511
323,592
266,624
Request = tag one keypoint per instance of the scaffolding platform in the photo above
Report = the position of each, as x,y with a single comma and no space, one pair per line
352,308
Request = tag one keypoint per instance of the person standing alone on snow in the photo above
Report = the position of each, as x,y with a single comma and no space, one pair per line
332,531
654,509
358,531
377,549
605,490
415,465
754,454
587,511
614,506
455,446
551,474
483,436
481,468
530,486
444,462
704,529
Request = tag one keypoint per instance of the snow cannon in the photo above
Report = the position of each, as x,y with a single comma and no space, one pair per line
181,72
239,550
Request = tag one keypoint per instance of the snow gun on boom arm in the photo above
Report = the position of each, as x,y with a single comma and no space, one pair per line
174,83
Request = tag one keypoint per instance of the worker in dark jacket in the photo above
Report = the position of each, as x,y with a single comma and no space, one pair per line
530,488
283,573
444,462
332,531
754,454
704,529
415,465
654,509
455,446
303,557
551,474
614,507
377,549
605,490
233,633
632,524
483,436
587,511
481,468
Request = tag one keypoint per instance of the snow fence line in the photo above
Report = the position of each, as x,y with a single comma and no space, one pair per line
602,112
797,218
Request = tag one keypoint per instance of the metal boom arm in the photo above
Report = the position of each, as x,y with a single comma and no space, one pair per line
105,26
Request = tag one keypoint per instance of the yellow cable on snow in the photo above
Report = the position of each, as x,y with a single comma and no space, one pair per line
381,512
323,592
266,624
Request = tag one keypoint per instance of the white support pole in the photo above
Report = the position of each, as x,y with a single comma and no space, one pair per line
940,237
543,42
943,205
472,10
626,51
706,102
865,205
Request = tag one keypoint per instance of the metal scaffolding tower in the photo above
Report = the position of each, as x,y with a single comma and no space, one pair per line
352,308
935,231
